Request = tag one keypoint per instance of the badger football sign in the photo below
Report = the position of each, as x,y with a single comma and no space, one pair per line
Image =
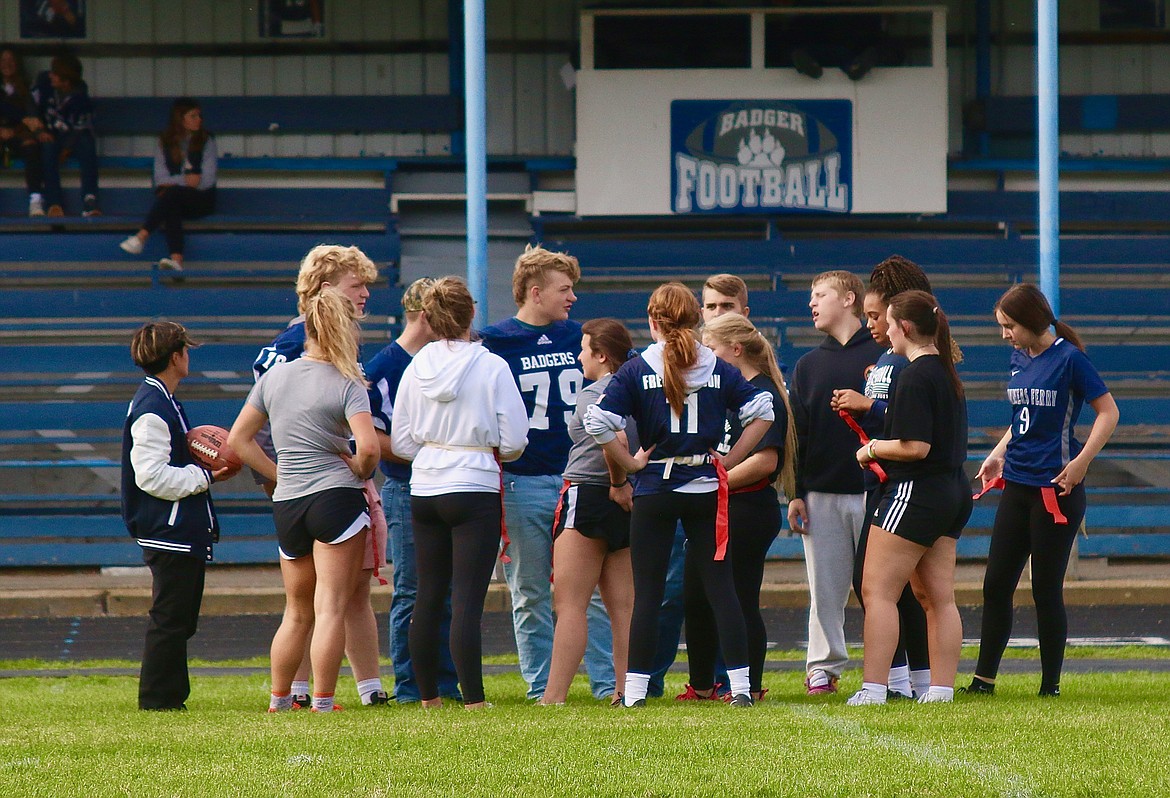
761,156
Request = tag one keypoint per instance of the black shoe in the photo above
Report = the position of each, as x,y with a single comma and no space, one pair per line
639,704
860,66
379,698
805,64
742,700
978,687
1049,691
893,696
302,702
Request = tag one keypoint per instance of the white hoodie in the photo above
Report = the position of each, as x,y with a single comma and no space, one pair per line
456,403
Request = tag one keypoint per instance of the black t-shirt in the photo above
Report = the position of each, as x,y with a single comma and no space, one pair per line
776,435
924,408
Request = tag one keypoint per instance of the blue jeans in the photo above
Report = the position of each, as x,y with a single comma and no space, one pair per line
396,503
83,146
529,503
670,617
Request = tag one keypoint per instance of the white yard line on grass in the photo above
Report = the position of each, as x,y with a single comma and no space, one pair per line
1008,784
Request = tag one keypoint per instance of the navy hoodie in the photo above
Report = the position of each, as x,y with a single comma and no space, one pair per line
826,445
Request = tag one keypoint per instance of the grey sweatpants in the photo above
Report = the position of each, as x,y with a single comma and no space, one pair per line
834,527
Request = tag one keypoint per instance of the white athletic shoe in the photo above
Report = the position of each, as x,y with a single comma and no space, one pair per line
864,698
167,264
36,205
932,697
132,245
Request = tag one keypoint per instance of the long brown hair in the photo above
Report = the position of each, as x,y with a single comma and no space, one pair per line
609,337
675,311
19,81
171,139
1026,305
732,328
922,310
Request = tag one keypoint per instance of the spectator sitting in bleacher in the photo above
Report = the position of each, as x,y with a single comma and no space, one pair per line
18,121
184,181
66,115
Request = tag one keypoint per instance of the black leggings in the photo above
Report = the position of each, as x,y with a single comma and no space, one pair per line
29,150
456,537
754,521
652,526
1024,528
912,646
172,205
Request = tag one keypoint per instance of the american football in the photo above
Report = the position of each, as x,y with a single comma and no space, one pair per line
208,445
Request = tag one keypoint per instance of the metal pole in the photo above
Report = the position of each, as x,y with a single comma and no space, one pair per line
1048,149
475,88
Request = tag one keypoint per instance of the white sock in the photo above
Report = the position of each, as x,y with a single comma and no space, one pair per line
280,703
322,703
874,689
740,681
938,694
636,686
300,687
818,678
920,681
900,680
35,196
367,687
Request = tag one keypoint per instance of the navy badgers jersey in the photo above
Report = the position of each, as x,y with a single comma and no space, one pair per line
544,363
1047,393
289,345
636,390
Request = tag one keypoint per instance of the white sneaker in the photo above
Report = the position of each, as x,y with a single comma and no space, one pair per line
935,697
36,205
132,245
864,698
168,264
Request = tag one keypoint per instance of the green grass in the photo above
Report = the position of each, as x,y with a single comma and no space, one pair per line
81,736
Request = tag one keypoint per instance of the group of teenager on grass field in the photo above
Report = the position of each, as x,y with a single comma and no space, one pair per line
562,451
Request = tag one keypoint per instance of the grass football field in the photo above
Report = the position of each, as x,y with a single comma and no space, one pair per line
1109,734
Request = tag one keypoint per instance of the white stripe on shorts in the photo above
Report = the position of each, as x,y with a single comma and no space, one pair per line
898,505
571,507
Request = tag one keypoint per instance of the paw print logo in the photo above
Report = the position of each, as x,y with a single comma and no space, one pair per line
757,151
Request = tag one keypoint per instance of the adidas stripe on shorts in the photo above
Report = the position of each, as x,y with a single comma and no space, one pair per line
924,509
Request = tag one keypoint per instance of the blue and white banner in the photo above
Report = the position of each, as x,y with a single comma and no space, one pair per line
761,156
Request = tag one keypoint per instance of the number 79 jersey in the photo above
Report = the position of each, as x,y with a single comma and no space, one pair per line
544,364
1047,393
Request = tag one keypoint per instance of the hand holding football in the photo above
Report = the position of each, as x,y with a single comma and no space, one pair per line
208,445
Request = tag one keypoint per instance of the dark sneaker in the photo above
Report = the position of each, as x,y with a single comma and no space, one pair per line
89,206
378,698
893,696
742,700
639,704
302,702
1049,691
978,687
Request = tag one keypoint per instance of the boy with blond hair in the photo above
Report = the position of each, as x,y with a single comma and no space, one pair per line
829,507
540,344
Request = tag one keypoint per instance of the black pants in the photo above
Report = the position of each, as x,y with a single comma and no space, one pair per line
1024,528
652,528
29,151
173,204
174,615
456,537
754,521
912,647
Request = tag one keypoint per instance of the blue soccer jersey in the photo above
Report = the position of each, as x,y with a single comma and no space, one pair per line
384,371
289,345
544,363
1047,393
636,390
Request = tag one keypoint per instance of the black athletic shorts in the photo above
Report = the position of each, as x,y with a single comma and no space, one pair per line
333,515
924,509
589,510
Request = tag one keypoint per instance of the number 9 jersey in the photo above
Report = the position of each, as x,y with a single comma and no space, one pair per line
1047,393
544,364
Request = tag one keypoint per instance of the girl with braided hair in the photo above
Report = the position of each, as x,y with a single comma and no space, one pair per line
910,669
1041,466
679,393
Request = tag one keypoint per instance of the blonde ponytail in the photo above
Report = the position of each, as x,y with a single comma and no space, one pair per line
331,322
